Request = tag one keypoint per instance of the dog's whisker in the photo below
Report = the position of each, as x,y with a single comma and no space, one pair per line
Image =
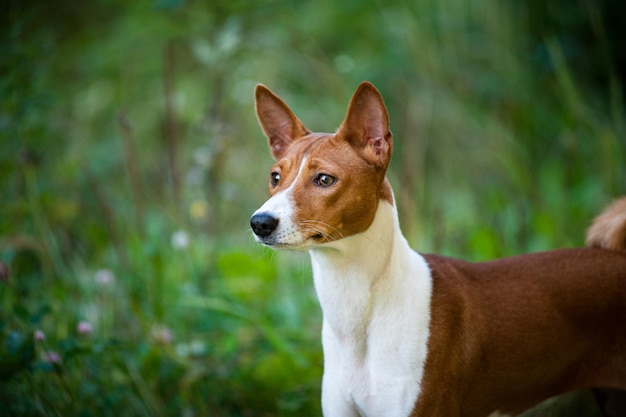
325,225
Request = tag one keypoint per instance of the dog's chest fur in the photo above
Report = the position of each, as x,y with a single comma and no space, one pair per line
375,295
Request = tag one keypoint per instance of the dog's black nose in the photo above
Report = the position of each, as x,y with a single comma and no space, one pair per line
263,224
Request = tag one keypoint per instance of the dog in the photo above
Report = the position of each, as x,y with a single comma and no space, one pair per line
410,334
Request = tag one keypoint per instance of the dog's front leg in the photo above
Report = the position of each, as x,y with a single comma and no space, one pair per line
336,398
334,401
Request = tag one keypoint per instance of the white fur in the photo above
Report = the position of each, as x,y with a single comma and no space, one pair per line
281,206
375,295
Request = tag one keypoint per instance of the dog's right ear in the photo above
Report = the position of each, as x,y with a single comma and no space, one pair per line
278,122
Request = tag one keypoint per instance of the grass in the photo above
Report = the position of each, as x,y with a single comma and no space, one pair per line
131,161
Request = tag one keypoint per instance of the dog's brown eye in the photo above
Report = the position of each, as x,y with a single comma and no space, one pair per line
324,180
274,179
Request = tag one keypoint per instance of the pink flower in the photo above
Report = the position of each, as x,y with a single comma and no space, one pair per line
39,335
4,272
84,327
162,335
52,357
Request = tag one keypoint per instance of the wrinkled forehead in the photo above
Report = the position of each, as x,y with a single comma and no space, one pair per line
322,151
309,146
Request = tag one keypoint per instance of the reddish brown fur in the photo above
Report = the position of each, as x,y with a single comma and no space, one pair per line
509,333
272,112
356,159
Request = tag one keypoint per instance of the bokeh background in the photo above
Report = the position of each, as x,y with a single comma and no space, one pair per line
131,161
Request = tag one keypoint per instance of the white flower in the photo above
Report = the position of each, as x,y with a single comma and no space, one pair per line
203,156
180,239
104,277
193,348
39,335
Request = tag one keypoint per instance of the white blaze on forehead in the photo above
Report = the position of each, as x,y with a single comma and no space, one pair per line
281,206
282,202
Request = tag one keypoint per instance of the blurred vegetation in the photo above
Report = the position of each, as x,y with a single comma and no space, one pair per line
130,162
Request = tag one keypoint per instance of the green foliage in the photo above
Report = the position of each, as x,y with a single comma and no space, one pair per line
130,162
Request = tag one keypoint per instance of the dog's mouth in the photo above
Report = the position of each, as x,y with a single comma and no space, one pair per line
280,242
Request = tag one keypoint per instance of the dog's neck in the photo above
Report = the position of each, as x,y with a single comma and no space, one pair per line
360,274
371,287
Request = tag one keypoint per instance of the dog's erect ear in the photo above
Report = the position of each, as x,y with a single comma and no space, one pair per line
278,122
366,125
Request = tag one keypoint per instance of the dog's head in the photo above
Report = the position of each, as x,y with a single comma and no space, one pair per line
324,187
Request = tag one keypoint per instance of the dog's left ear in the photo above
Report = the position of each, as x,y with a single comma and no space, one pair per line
366,125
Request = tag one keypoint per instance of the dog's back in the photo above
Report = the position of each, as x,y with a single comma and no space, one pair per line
509,320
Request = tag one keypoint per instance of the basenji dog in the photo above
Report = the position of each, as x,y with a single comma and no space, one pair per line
410,334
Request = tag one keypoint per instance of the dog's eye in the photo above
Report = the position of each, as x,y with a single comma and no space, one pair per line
274,179
324,180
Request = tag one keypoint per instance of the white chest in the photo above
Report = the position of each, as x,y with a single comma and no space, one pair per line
376,324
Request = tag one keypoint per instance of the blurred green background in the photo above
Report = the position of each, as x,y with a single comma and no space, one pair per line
131,161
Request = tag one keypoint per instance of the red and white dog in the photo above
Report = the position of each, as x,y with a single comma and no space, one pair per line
407,334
